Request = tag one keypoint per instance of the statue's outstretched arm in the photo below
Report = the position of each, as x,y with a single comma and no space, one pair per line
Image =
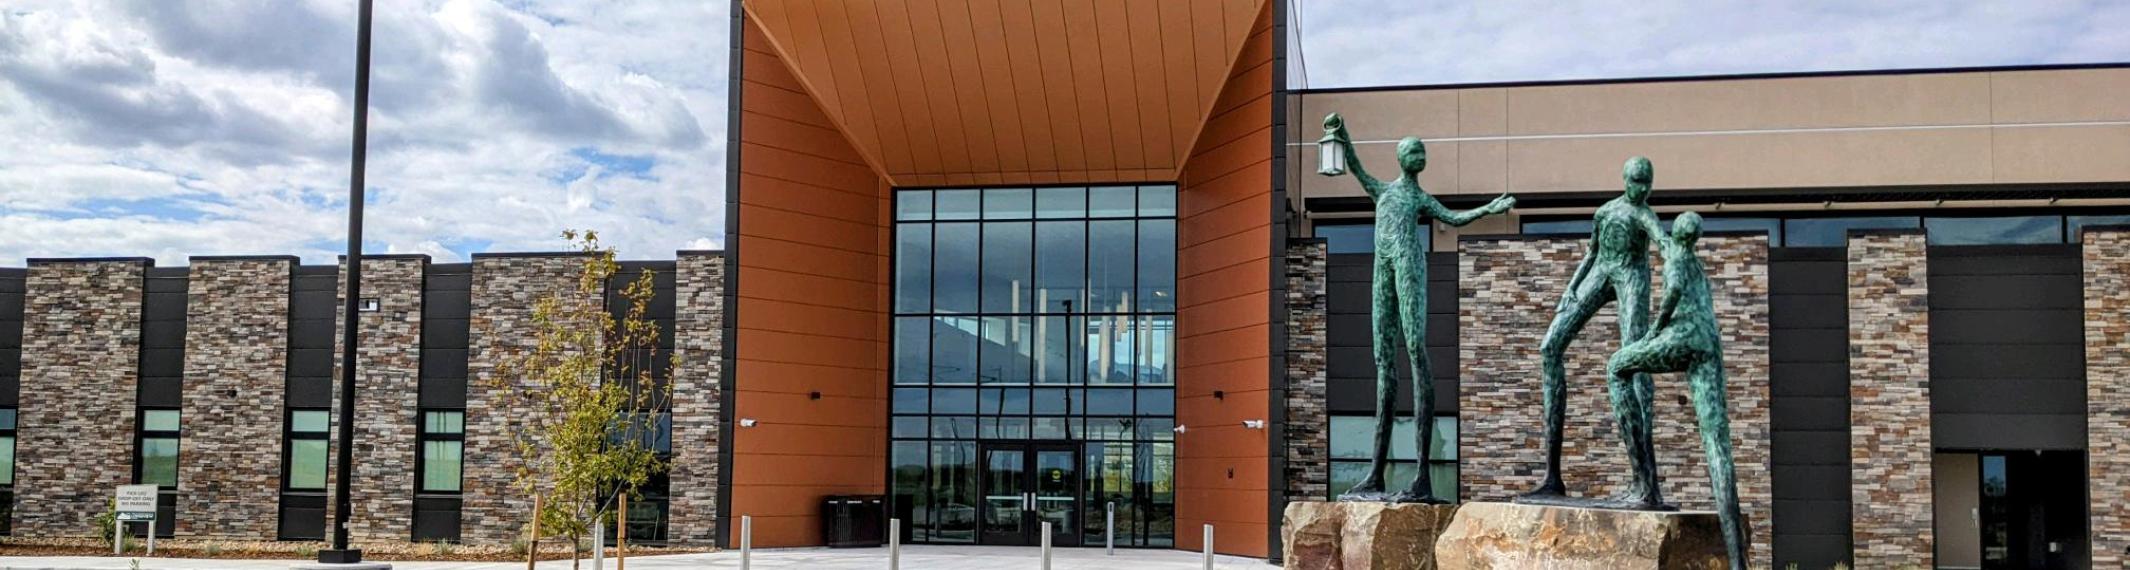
1336,127
1582,271
1674,291
1434,209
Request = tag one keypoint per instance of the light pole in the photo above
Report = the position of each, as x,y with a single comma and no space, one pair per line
351,314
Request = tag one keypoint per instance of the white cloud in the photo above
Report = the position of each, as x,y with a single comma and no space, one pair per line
143,127
1400,42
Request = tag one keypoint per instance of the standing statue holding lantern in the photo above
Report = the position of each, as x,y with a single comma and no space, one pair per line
1398,296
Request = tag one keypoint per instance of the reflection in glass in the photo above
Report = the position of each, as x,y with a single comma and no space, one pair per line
909,426
913,268
1050,402
1156,353
913,350
1834,232
441,465
1005,428
1109,483
952,507
1110,264
958,204
1157,475
1350,238
1003,401
911,400
1157,266
1109,349
1110,401
1111,201
954,345
2077,225
913,205
1004,494
1061,266
1058,356
306,464
2005,230
1061,203
907,497
159,461
1772,226
1562,227
1157,200
944,427
1008,204
1007,279
1157,402
1006,350
954,401
954,274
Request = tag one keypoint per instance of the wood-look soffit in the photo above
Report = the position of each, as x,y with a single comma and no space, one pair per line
940,92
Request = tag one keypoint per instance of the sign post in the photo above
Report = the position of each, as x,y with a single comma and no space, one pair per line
135,503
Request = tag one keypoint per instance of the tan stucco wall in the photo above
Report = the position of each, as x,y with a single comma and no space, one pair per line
1926,129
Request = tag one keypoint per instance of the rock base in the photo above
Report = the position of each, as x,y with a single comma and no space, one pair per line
1321,535
1509,536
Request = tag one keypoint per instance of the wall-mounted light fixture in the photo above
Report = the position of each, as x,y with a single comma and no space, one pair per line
1181,429
816,395
747,422
1253,424
369,305
1220,395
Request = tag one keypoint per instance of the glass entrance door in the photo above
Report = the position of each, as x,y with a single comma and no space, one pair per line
1025,485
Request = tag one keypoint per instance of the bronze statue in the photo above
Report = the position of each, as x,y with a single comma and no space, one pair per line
1399,301
1686,339
1616,267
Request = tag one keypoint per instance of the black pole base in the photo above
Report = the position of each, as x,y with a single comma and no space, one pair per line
336,556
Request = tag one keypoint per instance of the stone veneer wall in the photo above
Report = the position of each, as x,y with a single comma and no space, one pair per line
1308,465
1509,287
387,383
698,340
81,337
504,292
1889,400
236,360
2107,326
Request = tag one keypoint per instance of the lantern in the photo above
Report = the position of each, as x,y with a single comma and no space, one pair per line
1330,156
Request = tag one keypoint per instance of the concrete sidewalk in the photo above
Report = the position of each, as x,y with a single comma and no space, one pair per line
919,557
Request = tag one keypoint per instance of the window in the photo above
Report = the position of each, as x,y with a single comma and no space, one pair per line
2007,230
158,448
1351,437
1044,314
1352,238
7,469
443,440
307,430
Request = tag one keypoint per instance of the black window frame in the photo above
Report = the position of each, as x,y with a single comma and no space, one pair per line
1075,416
421,456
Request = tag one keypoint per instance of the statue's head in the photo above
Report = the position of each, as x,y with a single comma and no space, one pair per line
1686,229
1637,173
1412,155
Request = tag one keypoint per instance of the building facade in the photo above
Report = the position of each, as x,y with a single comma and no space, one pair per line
1006,263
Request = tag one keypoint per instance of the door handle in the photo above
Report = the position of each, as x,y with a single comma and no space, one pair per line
1028,501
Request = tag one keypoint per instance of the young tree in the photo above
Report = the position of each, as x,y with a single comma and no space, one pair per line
590,385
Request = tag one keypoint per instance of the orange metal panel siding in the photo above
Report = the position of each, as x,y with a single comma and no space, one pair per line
811,309
1225,268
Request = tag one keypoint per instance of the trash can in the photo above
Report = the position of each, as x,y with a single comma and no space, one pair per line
853,521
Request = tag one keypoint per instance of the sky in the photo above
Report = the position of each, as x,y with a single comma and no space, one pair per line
222,127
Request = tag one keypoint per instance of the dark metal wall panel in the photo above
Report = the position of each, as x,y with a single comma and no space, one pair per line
162,352
314,299
1808,324
11,290
447,290
1350,368
2007,347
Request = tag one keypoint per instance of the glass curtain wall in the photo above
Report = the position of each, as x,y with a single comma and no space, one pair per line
1035,315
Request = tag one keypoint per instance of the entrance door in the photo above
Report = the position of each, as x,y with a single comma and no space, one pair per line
1025,485
2011,509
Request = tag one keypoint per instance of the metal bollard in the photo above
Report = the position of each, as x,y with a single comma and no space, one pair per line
894,544
1046,545
1209,547
151,537
118,537
598,546
747,542
1109,530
